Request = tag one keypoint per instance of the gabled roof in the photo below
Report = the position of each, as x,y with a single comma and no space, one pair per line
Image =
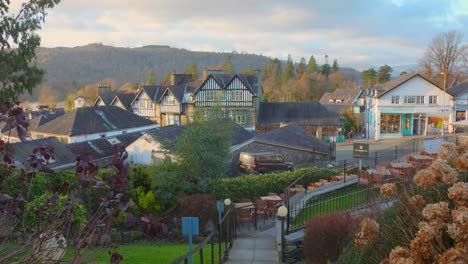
62,155
224,79
394,83
33,124
348,95
240,134
306,113
125,98
153,91
184,87
459,88
106,98
293,136
103,147
89,120
167,134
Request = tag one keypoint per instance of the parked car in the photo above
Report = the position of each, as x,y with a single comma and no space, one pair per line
263,162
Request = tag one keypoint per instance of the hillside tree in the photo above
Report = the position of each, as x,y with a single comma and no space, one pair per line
369,77
288,69
150,79
335,67
312,65
301,67
442,55
228,68
326,69
192,69
384,74
70,101
18,45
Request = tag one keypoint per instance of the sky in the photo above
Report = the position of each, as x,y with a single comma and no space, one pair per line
355,32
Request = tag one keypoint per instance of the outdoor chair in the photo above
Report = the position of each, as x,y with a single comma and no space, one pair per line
261,209
245,215
363,177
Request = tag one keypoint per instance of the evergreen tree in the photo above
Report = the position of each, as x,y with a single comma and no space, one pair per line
288,69
301,67
326,69
150,80
369,77
312,65
335,67
228,68
403,73
192,69
167,77
384,74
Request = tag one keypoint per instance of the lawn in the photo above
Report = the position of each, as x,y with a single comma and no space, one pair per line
339,201
148,253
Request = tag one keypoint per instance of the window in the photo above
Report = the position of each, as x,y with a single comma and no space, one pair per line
390,124
236,95
172,120
419,99
432,99
338,101
209,95
413,99
410,99
240,119
395,99
331,101
170,100
149,104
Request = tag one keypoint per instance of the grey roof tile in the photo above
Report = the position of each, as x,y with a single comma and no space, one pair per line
307,113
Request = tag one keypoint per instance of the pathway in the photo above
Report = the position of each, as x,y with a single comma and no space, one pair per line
255,247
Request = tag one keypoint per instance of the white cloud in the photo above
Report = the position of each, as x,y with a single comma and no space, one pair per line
351,31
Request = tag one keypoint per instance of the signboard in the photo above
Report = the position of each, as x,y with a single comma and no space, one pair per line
189,226
360,150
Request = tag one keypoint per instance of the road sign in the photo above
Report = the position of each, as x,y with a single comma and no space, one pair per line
190,228
360,150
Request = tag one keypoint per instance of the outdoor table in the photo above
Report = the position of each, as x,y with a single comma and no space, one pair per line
275,198
246,205
404,169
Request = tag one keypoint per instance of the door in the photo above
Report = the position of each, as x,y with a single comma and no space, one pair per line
407,124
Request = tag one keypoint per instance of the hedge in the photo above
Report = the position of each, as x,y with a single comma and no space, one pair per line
251,186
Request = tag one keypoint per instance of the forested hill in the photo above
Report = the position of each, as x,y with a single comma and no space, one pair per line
74,67
71,68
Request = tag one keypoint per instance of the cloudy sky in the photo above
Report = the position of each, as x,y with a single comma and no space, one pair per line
356,32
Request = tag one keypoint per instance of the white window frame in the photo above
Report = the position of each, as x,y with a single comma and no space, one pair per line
237,95
395,99
240,119
432,99
410,99
170,100
420,99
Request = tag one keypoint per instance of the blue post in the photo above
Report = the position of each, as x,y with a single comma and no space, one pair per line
190,243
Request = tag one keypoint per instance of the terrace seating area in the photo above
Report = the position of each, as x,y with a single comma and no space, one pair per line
251,211
396,170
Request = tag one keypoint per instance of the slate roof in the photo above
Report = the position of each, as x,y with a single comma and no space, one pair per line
125,98
240,134
33,124
106,98
348,95
223,79
103,147
62,155
89,120
167,134
153,91
459,88
395,82
305,113
293,136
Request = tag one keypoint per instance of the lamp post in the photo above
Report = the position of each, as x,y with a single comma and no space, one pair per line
443,109
282,213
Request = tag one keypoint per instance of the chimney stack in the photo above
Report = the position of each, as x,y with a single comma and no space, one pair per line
103,89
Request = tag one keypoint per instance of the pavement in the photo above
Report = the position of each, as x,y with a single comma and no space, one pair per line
255,247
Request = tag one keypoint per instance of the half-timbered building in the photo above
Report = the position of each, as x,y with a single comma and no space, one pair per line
123,100
238,96
144,102
176,102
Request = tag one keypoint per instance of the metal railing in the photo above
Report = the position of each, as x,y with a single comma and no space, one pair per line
226,234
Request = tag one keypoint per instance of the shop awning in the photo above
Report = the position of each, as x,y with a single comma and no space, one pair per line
461,123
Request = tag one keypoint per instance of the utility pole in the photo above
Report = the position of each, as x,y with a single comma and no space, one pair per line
443,109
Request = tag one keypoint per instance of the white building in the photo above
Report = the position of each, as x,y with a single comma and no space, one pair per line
408,105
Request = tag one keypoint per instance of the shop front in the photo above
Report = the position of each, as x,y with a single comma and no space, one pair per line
397,125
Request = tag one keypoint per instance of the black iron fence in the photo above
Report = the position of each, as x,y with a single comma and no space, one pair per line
217,243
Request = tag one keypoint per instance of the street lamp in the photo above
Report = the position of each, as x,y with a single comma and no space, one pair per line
282,213
443,109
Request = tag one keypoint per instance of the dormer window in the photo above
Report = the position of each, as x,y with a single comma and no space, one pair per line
170,100
339,101
331,101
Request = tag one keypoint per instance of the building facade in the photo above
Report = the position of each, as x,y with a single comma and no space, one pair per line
407,105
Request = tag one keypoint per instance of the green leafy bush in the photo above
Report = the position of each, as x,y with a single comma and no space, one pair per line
259,185
41,207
